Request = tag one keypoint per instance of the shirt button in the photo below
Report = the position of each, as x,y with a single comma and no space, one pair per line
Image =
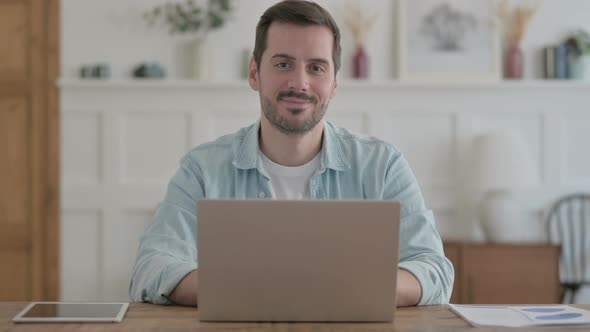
261,194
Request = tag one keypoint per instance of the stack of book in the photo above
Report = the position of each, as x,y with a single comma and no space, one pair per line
556,62
569,59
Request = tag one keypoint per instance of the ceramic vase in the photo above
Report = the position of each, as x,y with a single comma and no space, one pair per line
360,64
199,60
513,63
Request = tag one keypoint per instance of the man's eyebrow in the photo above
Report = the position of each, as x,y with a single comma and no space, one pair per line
320,60
282,55
292,58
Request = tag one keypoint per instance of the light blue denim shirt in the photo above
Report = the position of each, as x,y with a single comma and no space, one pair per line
352,167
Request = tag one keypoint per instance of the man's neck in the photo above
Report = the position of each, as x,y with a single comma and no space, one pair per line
290,150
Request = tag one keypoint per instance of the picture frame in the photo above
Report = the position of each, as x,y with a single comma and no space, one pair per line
448,40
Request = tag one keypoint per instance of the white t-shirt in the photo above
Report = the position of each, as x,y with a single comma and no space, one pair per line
290,182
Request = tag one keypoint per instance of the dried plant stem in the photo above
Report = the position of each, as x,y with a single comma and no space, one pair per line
359,24
516,21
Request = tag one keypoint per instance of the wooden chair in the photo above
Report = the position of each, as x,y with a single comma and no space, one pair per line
568,224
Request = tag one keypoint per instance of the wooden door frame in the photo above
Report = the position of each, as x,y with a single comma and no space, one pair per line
53,244
45,262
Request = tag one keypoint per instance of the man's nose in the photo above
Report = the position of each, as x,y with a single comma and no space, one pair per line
299,80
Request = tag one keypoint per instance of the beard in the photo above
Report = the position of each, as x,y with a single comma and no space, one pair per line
292,127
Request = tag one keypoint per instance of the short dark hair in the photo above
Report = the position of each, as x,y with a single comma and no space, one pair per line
299,12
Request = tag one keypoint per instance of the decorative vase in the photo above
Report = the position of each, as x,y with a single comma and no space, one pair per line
513,63
360,64
504,220
199,59
585,60
579,68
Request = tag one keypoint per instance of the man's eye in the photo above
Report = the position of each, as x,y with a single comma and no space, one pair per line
317,68
282,65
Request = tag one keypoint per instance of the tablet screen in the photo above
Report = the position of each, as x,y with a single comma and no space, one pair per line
70,311
74,310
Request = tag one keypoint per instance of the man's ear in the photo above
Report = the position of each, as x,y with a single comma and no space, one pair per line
253,75
334,88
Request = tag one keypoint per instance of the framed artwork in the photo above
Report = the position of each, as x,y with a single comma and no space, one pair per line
448,40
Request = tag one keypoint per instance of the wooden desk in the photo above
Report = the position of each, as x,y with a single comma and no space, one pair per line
148,317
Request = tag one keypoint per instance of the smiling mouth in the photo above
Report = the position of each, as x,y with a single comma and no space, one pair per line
295,101
295,106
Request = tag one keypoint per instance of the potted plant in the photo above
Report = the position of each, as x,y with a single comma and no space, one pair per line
359,24
578,47
515,21
189,17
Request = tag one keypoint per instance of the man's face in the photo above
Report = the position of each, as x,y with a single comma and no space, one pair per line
296,76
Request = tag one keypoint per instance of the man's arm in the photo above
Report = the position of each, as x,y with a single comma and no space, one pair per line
421,252
409,290
167,250
185,292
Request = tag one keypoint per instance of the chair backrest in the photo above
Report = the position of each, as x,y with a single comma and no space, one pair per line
568,224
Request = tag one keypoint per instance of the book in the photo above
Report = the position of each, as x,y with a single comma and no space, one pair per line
522,316
549,58
561,66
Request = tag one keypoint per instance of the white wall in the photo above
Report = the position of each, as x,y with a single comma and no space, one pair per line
108,129
113,31
122,141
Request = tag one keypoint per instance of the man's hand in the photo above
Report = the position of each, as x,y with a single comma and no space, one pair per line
185,292
409,291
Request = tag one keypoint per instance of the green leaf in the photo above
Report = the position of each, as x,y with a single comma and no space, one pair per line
187,15
225,5
215,21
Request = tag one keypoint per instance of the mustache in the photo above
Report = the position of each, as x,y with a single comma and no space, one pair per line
298,95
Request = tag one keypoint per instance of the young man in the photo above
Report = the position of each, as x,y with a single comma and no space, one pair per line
291,153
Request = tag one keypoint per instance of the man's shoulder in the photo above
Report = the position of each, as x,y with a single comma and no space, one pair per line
350,140
222,148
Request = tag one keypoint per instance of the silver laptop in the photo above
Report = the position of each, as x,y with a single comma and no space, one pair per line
262,260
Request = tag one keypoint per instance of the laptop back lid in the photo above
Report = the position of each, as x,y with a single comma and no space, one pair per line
297,260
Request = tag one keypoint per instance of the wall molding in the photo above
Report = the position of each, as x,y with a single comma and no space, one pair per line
123,140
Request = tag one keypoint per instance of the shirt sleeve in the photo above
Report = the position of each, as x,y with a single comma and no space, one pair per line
420,250
167,250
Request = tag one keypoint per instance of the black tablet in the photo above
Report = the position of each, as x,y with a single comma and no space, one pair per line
63,312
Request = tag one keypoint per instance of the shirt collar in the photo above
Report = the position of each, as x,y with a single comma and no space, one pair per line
332,153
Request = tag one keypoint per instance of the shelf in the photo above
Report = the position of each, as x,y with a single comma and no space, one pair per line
345,84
